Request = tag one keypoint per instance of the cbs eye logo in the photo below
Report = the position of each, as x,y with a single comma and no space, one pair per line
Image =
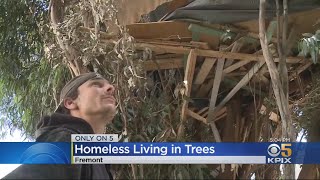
274,150
44,153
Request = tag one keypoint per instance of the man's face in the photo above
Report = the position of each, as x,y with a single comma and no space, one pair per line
96,97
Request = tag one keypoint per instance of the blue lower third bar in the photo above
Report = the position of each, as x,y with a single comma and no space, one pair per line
169,160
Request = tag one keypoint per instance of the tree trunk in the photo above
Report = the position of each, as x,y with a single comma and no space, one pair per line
278,88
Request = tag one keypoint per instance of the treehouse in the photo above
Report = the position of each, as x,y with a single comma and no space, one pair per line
208,56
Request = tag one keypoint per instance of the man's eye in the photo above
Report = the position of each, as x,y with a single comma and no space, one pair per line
97,84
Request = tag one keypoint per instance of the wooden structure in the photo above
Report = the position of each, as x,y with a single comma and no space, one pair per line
208,62
225,75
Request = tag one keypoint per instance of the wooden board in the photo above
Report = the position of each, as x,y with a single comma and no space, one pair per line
215,87
204,70
236,48
205,89
241,83
212,53
172,63
196,116
235,66
164,29
188,78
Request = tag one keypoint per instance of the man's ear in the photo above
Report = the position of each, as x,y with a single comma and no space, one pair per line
70,104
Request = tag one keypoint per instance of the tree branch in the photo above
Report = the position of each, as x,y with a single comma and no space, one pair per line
282,103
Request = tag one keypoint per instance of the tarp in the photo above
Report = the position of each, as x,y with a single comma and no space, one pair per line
228,11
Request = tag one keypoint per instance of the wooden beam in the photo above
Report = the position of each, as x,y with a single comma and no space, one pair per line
215,87
243,56
173,63
235,66
196,116
220,117
238,64
299,70
163,48
204,70
193,44
188,78
235,48
218,114
202,110
200,45
241,83
218,31
161,29
205,89
212,53
216,133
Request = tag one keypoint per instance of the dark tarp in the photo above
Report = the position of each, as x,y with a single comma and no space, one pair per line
227,11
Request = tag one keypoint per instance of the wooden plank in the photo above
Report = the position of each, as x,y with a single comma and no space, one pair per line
235,48
202,110
241,83
244,56
204,70
173,63
220,117
299,70
212,53
196,116
222,111
215,87
205,89
162,49
239,73
197,45
218,114
216,134
163,29
218,30
238,64
188,78
201,45
235,66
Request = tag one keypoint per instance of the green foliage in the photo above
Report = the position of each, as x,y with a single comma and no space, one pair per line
306,112
27,79
310,44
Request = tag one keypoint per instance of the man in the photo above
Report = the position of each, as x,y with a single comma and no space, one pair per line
87,105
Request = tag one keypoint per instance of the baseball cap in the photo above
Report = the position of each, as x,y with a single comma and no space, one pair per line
73,85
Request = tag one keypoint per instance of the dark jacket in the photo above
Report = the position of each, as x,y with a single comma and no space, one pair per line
58,128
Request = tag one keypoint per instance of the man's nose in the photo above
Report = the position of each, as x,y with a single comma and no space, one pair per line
109,89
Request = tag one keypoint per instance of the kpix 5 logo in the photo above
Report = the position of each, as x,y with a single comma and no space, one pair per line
274,150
